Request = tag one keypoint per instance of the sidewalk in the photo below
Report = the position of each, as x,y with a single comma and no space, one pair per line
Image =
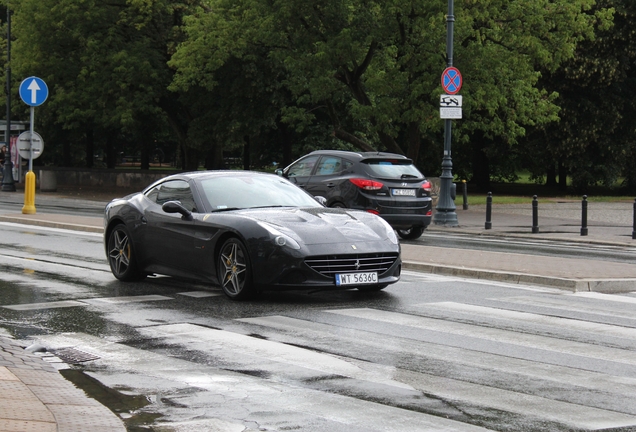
35,397
609,225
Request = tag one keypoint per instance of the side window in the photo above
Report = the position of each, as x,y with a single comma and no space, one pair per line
329,165
303,167
175,190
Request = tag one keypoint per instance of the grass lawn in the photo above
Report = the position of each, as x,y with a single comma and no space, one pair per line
480,199
522,191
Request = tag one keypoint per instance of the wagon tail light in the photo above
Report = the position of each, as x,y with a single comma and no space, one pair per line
427,186
366,184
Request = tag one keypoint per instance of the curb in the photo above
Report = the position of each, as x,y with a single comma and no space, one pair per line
30,220
539,236
573,285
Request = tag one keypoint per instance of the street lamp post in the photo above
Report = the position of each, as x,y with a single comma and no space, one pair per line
8,184
445,211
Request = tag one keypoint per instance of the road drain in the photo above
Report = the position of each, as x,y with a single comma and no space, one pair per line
74,356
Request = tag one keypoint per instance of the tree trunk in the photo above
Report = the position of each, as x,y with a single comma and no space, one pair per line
414,141
563,177
191,159
90,148
480,163
67,160
287,145
246,153
551,176
111,154
145,157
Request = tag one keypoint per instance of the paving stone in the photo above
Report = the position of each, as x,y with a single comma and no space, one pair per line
65,396
71,418
15,390
6,375
26,426
25,410
39,377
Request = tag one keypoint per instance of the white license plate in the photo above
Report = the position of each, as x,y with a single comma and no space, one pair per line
404,192
357,278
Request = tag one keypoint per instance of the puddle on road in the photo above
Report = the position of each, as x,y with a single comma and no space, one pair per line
125,406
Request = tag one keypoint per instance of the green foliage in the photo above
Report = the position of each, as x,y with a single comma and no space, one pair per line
594,140
371,69
273,79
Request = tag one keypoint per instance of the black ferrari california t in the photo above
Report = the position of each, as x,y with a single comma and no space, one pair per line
247,232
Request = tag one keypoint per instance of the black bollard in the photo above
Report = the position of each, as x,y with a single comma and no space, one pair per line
465,195
535,215
584,216
634,225
489,210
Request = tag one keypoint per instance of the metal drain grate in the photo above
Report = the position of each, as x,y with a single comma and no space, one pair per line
72,355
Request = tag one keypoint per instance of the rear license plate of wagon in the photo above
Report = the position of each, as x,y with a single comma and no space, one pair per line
404,192
357,278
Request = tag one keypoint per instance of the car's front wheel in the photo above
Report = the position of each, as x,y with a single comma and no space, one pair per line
412,233
121,256
235,273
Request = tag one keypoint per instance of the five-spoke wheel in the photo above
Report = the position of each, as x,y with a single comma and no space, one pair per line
121,256
235,275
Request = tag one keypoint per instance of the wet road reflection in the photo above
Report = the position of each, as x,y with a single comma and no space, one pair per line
429,353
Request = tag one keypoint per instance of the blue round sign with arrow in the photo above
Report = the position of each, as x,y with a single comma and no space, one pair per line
34,91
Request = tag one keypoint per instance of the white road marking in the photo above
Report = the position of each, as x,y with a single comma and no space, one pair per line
532,318
49,305
493,334
199,294
127,299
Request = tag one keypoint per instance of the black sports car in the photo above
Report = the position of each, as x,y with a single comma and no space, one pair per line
247,232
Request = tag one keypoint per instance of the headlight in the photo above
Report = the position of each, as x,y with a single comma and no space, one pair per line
390,232
280,239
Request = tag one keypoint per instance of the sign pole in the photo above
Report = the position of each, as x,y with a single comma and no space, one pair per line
445,211
8,183
29,182
33,92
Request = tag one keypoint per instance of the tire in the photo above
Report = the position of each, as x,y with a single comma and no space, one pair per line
234,270
122,257
412,233
372,289
337,205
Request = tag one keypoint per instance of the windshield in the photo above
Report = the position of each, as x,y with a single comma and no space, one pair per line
392,169
249,191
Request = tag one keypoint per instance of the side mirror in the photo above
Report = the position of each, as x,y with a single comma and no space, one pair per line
321,199
177,207
279,172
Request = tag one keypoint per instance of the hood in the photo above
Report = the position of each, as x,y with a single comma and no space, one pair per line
318,225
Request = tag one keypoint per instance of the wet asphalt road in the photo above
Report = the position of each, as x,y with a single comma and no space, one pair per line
429,353
12,204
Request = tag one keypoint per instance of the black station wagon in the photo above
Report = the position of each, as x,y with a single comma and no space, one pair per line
385,184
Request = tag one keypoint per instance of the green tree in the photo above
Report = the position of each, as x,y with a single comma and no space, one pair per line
105,64
594,140
373,68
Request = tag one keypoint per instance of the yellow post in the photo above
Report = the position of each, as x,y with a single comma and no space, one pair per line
29,194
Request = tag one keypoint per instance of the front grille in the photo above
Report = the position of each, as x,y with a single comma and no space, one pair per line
329,265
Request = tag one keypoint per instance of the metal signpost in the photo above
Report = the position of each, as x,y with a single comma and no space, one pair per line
8,183
450,108
33,92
